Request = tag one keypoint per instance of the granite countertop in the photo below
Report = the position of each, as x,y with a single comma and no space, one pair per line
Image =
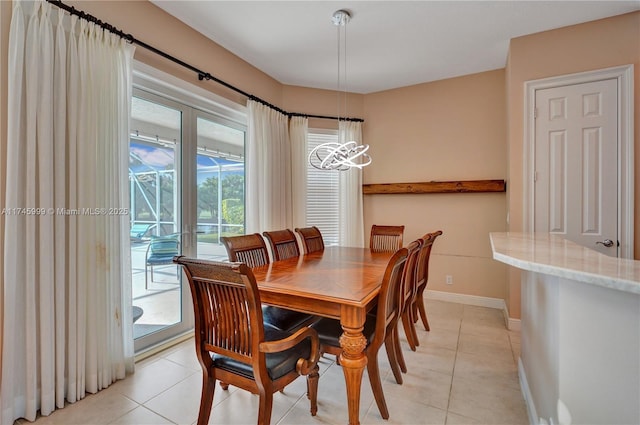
556,256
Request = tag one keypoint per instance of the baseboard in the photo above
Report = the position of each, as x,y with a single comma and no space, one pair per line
526,393
155,349
466,299
513,324
497,303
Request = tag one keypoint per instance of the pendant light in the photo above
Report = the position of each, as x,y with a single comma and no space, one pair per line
333,155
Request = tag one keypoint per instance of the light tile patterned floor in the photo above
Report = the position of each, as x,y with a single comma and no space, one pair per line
464,372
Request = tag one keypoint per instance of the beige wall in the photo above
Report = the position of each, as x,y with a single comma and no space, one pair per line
594,45
322,102
404,127
152,25
452,129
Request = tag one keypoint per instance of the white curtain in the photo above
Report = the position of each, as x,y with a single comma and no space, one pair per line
67,284
268,170
298,131
350,183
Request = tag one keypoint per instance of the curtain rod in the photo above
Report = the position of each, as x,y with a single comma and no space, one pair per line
201,74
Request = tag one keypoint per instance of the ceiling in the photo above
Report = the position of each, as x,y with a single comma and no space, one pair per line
390,44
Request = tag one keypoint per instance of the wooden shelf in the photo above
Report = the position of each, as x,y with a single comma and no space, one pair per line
458,186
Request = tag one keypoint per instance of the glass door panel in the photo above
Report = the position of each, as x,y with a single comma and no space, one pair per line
186,174
220,193
155,201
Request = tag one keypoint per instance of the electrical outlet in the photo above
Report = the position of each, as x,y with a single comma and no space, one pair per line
449,279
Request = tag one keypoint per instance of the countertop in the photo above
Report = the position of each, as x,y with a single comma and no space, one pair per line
556,256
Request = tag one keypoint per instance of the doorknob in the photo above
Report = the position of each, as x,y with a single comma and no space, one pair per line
607,242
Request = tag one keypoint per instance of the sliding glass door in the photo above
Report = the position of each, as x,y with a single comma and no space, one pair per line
186,175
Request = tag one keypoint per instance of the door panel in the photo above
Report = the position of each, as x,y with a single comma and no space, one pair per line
576,179
219,184
158,292
557,179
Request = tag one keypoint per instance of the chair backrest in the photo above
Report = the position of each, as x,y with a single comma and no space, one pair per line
389,307
283,244
422,274
386,238
248,249
228,315
164,246
311,239
409,279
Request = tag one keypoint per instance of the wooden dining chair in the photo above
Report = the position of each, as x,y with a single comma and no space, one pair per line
378,328
236,347
311,239
252,250
386,238
407,291
422,278
248,249
283,244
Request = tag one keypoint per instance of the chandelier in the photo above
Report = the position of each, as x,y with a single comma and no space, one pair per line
333,155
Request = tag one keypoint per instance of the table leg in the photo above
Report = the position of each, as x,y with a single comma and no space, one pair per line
353,362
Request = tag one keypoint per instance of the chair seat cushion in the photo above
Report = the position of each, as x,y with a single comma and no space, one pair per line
160,259
330,330
284,319
278,364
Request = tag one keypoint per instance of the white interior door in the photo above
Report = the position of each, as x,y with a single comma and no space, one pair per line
576,163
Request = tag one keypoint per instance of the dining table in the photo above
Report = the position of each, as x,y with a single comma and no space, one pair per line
339,282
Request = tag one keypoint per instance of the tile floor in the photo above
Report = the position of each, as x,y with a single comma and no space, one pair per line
464,372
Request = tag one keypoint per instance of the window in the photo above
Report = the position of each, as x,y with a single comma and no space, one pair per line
322,192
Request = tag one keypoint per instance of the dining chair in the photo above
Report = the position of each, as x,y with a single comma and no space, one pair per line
422,278
407,292
378,328
160,251
236,347
311,239
283,244
252,250
248,249
386,238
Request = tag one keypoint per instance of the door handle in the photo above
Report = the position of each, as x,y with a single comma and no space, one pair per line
607,242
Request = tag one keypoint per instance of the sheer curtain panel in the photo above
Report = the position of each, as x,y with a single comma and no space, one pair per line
268,170
67,325
351,212
298,131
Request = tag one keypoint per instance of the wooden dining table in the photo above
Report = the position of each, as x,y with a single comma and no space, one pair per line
339,282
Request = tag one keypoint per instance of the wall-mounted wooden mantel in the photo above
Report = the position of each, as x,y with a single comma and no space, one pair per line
458,186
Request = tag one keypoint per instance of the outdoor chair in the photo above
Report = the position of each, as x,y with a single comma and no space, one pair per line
161,251
138,231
